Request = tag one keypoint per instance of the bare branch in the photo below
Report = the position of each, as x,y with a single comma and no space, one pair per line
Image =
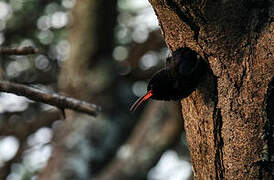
18,51
54,99
153,123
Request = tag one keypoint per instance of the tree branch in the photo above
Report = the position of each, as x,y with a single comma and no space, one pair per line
18,51
154,134
54,99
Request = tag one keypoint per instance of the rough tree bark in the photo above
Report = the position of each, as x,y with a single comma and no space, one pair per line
229,118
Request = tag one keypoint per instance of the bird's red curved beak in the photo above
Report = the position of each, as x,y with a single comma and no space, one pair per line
140,100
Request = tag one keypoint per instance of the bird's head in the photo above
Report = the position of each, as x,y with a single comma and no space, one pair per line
178,80
159,88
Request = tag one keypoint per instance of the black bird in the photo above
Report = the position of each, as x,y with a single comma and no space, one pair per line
178,80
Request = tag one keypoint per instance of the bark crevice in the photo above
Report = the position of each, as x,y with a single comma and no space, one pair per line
267,163
218,139
263,16
185,16
219,166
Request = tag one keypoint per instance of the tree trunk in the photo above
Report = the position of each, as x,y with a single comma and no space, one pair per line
91,40
229,118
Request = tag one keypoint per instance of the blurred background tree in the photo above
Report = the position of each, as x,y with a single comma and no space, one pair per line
98,51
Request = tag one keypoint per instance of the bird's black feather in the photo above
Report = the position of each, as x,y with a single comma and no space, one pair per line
178,79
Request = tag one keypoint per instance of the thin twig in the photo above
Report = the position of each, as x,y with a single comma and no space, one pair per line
18,51
54,99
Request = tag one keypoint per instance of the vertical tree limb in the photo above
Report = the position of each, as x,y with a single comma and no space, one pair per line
226,115
152,135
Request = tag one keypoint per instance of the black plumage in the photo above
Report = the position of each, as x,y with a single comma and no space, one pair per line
177,80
